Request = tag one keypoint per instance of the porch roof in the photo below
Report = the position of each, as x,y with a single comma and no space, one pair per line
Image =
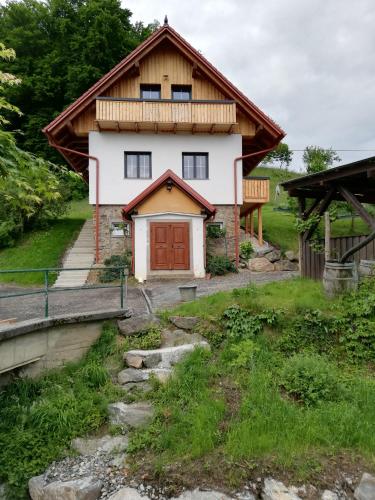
168,178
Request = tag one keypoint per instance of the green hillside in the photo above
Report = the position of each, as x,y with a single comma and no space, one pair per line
278,224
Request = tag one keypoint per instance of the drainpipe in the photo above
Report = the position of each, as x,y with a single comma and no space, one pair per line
97,166
236,215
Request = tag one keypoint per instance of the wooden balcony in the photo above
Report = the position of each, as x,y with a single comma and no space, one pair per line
256,190
165,115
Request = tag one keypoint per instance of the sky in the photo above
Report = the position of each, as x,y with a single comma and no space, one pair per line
308,64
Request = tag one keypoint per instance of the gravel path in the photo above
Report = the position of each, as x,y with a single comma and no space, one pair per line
32,306
165,294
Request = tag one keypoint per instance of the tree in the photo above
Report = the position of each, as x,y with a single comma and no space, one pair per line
32,190
317,159
63,47
282,156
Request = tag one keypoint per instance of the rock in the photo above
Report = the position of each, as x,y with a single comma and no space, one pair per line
134,378
366,488
86,488
184,322
273,256
260,264
161,374
152,359
136,386
133,361
165,357
329,495
131,375
286,265
105,444
276,490
131,415
202,495
293,257
179,337
127,494
137,324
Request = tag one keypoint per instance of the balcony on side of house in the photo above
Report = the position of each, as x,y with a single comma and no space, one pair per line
165,115
256,190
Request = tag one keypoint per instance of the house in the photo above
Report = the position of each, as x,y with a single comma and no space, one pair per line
160,139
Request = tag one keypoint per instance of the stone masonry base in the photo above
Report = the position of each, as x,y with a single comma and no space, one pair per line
115,245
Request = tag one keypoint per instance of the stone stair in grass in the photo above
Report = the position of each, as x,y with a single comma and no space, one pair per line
80,255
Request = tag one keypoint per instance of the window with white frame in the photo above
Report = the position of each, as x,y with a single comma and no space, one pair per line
137,165
120,229
195,165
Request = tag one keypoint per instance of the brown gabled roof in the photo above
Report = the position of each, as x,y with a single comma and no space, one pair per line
169,175
166,32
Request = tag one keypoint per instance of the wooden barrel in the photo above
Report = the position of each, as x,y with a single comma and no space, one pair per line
339,278
366,268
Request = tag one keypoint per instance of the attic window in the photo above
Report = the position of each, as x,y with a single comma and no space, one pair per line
181,92
150,91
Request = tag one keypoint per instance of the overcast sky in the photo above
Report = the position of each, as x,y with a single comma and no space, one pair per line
309,64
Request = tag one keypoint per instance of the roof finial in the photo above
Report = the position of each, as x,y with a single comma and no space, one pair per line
166,20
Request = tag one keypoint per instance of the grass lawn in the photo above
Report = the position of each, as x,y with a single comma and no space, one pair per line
44,247
278,226
283,395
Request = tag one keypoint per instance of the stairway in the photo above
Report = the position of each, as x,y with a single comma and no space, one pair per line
80,255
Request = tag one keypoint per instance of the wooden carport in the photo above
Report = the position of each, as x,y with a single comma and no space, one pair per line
353,183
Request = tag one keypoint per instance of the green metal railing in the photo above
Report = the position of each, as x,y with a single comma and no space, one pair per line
47,289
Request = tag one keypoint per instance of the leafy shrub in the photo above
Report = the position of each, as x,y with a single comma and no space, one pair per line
241,355
241,324
218,265
309,330
121,261
310,379
147,339
214,231
246,250
31,190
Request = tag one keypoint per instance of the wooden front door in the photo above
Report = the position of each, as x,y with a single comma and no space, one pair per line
169,246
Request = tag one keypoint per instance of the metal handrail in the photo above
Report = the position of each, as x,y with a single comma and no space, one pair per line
46,290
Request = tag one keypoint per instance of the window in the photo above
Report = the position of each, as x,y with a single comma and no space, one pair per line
150,91
195,165
138,165
120,229
181,92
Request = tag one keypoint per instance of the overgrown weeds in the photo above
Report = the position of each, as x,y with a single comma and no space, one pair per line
38,418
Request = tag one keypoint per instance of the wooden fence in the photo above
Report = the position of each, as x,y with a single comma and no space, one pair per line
312,263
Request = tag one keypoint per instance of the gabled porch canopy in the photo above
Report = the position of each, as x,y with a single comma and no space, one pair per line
353,183
170,180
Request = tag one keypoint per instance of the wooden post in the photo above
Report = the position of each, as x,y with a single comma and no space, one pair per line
327,236
301,211
260,226
246,224
252,223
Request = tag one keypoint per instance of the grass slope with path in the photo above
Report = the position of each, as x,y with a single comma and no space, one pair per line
44,247
278,225
287,391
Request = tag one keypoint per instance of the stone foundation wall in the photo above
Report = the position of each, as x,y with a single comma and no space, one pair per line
115,245
109,244
224,246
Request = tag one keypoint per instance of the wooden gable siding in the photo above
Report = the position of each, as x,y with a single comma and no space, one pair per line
164,66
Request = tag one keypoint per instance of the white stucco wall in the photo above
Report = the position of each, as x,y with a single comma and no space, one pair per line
166,152
142,242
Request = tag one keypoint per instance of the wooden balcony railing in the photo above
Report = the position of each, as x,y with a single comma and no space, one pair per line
165,115
256,189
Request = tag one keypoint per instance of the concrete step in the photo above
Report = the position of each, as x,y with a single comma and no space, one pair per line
165,357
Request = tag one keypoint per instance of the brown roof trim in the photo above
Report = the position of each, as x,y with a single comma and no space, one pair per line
339,172
167,32
169,174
